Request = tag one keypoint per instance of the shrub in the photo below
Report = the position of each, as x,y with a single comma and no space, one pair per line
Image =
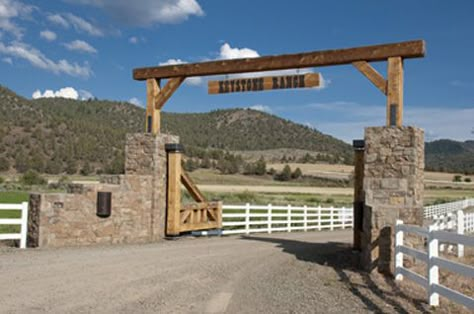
457,178
284,175
32,177
2,180
246,196
4,164
467,180
296,174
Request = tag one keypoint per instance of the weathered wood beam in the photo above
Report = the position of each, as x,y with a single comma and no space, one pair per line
395,92
170,87
408,49
191,187
372,74
173,220
153,116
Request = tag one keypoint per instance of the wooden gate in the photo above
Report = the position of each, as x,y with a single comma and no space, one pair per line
201,215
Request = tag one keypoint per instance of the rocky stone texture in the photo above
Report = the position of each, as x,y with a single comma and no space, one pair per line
393,189
138,203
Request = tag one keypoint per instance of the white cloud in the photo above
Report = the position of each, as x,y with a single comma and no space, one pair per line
192,81
38,59
58,20
133,40
227,52
147,12
262,108
85,95
135,101
68,20
48,35
9,10
82,25
66,92
81,46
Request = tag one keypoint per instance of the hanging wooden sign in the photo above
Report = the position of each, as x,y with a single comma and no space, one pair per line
254,84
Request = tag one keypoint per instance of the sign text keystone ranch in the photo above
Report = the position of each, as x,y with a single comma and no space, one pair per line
264,83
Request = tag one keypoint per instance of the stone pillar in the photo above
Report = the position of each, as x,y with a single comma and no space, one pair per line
145,154
393,189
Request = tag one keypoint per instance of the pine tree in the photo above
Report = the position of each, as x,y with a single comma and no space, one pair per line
260,167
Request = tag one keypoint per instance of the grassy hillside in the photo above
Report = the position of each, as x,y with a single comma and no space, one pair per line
60,135
448,155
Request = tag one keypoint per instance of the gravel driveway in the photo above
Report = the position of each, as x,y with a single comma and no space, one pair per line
279,273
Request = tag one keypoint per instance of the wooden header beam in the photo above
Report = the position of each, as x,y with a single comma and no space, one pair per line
408,49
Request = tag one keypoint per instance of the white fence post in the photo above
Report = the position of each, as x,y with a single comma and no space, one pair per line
269,218
305,218
342,217
460,230
247,218
433,271
319,218
331,219
24,224
398,253
288,218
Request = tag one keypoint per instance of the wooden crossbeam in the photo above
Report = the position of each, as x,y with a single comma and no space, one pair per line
408,49
170,87
192,188
372,74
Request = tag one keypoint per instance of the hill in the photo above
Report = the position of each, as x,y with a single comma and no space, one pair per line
56,135
452,156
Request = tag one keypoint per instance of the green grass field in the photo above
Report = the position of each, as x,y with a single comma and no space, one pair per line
11,198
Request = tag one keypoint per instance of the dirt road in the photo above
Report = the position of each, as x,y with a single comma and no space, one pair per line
281,273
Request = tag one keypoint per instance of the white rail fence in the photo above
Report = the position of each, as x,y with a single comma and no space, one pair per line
269,218
433,261
23,221
442,209
458,222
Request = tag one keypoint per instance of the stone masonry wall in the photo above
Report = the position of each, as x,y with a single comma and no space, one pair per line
138,202
146,154
393,188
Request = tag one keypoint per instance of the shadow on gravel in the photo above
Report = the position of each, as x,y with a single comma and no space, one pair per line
340,257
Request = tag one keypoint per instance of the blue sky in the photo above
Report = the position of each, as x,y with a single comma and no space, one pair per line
84,48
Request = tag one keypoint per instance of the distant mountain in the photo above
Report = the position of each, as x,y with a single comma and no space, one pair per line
449,155
56,135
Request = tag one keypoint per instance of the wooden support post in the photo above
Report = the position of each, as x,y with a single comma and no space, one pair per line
395,92
173,219
152,114
359,147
